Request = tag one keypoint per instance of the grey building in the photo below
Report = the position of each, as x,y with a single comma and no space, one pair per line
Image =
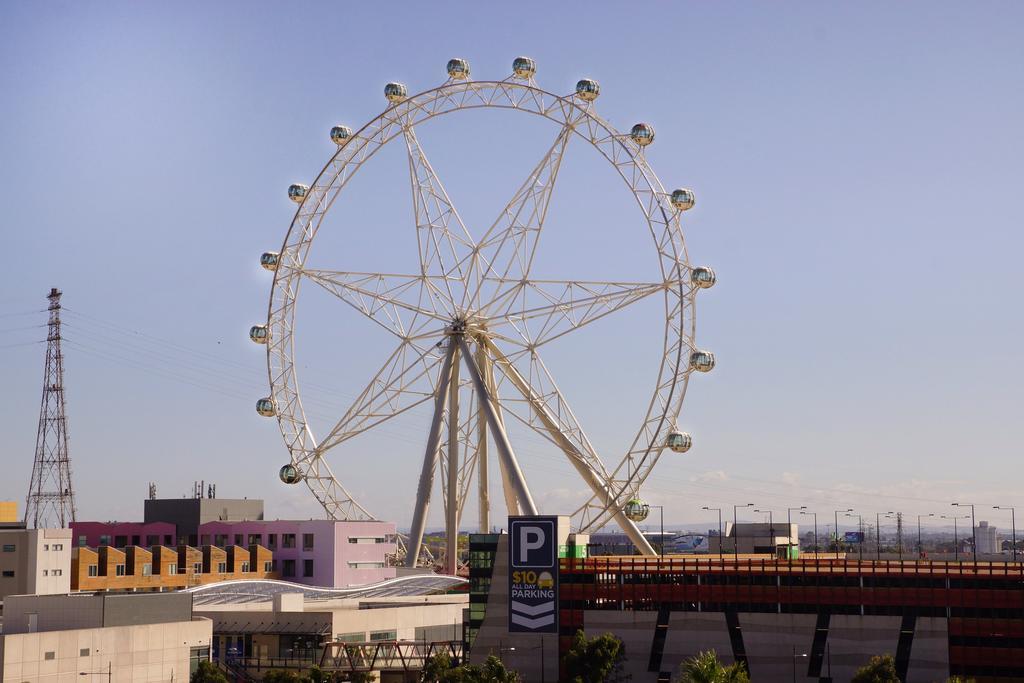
186,514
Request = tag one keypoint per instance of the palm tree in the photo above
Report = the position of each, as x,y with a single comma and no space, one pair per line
706,668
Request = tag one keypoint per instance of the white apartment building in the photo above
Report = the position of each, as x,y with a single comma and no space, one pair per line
34,561
988,539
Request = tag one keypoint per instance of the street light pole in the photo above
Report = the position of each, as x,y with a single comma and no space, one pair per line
920,548
860,530
974,530
1013,525
109,672
837,526
771,528
956,540
789,529
735,529
661,546
878,532
815,515
719,510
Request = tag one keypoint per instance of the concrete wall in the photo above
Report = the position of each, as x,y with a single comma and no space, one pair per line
40,560
135,654
43,613
773,642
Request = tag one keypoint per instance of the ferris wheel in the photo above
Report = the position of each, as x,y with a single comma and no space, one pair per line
470,326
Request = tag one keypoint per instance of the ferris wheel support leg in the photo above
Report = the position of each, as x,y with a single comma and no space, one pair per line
451,560
483,485
419,518
518,481
511,504
575,457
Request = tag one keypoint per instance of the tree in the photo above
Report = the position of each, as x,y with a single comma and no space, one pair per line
595,660
208,673
439,669
281,676
878,670
706,668
494,671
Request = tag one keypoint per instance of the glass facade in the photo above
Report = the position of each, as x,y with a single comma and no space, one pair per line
482,550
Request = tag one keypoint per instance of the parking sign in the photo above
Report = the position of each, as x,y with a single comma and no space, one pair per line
533,575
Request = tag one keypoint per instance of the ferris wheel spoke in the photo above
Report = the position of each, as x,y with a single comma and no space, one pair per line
556,421
335,498
542,310
402,304
441,235
507,248
407,380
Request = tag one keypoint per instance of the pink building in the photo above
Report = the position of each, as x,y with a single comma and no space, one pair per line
124,534
316,552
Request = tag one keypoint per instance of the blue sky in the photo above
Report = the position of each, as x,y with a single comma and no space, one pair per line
857,169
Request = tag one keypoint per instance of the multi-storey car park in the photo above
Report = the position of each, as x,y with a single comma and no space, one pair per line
812,619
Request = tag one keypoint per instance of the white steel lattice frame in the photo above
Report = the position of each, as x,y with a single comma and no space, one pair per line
462,279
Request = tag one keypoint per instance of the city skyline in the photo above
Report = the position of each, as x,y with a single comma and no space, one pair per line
850,182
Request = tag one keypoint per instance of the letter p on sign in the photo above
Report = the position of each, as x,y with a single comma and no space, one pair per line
533,542
530,538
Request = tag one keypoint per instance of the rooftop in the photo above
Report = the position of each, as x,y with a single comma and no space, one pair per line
264,590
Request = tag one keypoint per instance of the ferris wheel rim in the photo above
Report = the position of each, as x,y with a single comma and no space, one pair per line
283,317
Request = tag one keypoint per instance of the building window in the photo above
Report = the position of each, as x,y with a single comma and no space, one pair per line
289,568
147,569
8,574
365,565
220,540
120,541
367,539
271,541
135,541
204,539
119,570
46,546
9,547
172,569
268,566
104,539
273,565
383,635
58,546
238,539
255,539
197,568
58,572
307,541
152,539
288,540
49,655
168,540
350,637
222,567
83,541
245,567
46,572
307,567
94,570
84,652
